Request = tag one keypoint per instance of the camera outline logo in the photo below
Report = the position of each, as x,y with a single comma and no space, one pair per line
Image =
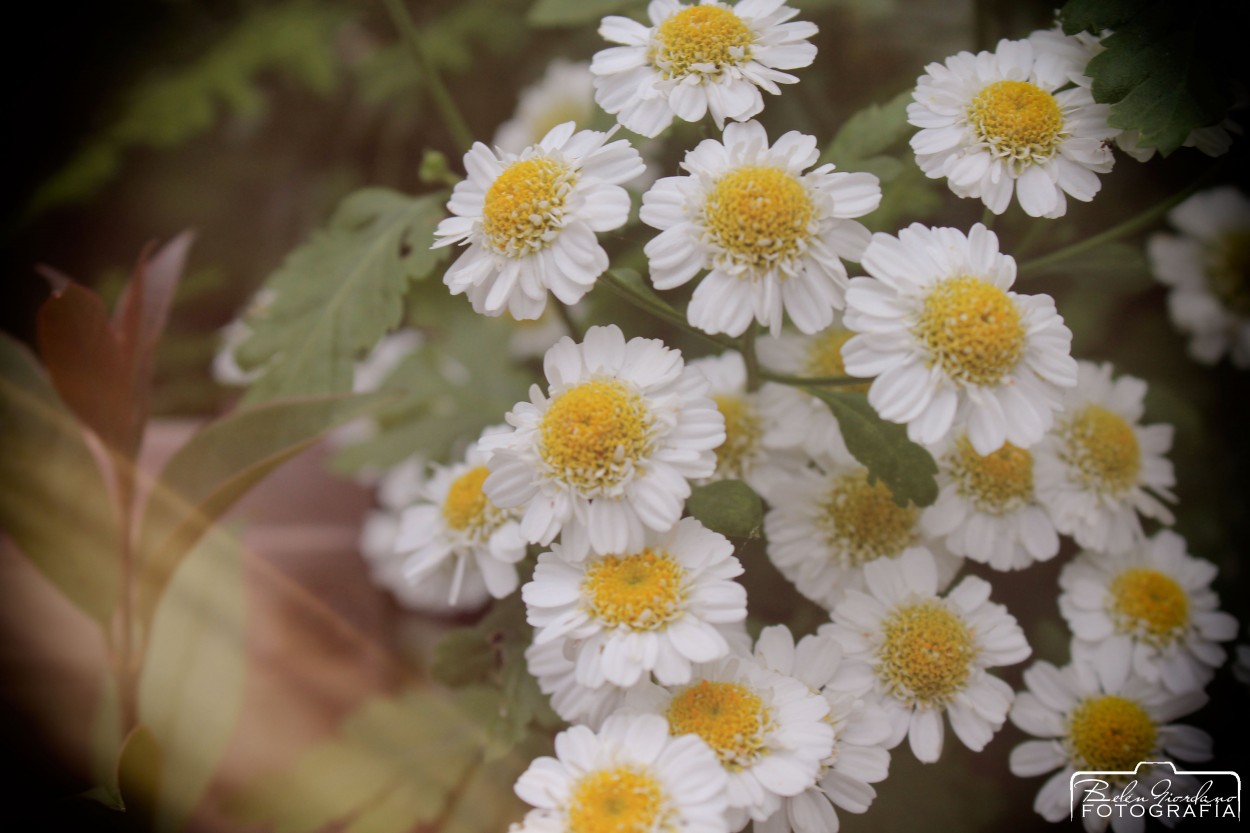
1118,793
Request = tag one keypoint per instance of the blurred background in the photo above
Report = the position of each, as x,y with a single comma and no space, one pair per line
249,121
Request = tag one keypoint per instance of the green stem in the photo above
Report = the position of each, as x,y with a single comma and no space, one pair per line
1130,226
819,381
566,315
452,119
750,359
988,217
653,305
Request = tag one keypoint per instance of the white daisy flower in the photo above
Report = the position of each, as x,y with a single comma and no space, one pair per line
1089,722
828,521
1150,610
745,455
1099,468
1206,267
565,93
950,346
630,777
455,523
648,611
857,758
987,507
770,731
770,235
997,123
930,653
797,419
399,488
710,57
556,676
606,454
530,219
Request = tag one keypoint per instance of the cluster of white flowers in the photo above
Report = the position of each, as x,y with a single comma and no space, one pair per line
639,637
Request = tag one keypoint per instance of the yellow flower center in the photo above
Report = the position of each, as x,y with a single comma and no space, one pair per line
1150,604
758,216
703,40
1102,448
466,507
972,329
730,718
743,429
524,208
1110,733
641,592
997,483
862,522
594,435
625,799
824,356
1228,271
926,656
1018,121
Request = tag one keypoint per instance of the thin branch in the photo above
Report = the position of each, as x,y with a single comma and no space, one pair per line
446,105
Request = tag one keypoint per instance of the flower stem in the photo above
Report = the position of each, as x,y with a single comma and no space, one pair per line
750,359
452,119
651,304
1124,229
566,315
818,381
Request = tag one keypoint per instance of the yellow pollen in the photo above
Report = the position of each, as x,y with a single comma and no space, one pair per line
1019,121
594,435
729,717
1228,270
466,506
972,329
927,654
759,216
742,436
1149,604
862,522
641,592
1110,733
997,483
524,208
1102,448
703,40
625,799
824,357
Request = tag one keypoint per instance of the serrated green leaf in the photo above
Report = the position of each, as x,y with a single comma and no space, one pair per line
191,684
338,294
459,382
574,12
420,744
729,507
869,133
54,504
883,448
1161,70
910,197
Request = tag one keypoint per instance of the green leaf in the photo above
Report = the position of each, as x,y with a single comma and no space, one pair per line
575,12
1114,268
1096,15
393,767
487,663
191,684
218,465
445,393
486,800
883,448
139,777
1165,68
729,507
54,503
338,294
868,134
